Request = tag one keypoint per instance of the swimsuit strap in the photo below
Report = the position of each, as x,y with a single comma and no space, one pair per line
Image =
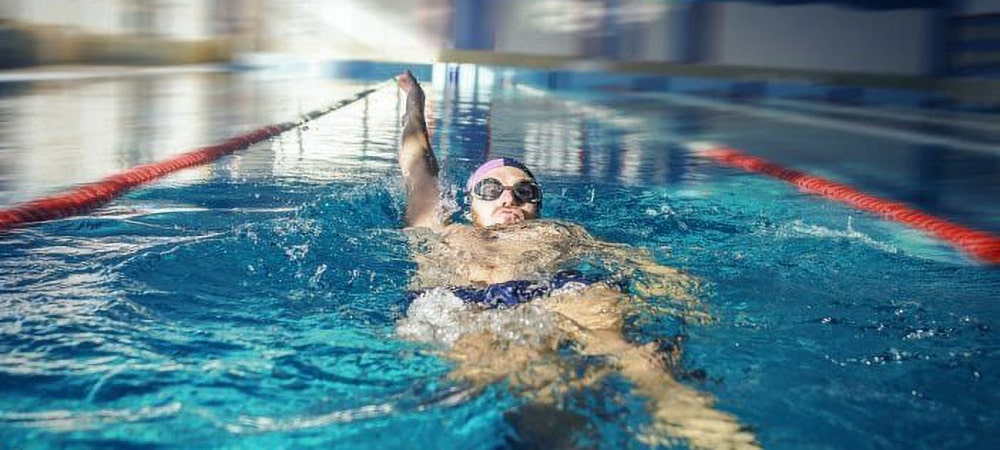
508,293
514,292
511,293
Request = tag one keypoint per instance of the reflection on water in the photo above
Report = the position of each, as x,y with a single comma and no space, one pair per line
636,139
483,114
57,134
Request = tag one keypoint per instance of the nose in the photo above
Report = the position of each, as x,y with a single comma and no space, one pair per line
507,198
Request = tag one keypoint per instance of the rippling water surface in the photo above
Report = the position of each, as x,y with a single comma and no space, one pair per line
253,303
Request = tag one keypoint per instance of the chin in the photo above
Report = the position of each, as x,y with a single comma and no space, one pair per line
508,219
500,223
498,220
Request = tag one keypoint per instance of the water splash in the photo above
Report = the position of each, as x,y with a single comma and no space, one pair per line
438,316
799,228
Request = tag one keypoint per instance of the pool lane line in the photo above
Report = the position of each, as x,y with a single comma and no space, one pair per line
982,245
93,195
870,129
944,118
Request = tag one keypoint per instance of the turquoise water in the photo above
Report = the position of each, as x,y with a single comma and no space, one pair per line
252,303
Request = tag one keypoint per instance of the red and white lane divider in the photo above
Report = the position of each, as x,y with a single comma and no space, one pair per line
982,245
91,196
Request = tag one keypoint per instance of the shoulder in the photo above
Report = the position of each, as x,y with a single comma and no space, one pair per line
543,228
441,231
543,231
558,228
456,228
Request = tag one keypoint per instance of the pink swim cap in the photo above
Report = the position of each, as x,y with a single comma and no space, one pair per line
487,166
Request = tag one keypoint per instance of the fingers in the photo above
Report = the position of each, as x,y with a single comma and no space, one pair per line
407,77
406,80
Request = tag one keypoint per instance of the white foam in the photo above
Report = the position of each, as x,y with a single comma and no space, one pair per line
434,316
438,316
798,227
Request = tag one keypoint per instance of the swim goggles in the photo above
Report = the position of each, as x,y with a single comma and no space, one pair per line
525,191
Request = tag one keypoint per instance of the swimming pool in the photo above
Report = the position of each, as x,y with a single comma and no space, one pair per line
252,303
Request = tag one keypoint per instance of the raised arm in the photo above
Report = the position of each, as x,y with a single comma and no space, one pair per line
416,160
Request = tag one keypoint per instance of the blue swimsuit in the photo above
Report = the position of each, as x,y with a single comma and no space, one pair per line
511,293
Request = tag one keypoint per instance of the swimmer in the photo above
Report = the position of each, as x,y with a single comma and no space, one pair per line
510,268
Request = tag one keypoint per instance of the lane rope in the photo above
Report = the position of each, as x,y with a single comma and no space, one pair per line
982,245
93,195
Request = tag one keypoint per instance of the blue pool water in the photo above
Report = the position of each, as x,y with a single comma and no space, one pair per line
252,303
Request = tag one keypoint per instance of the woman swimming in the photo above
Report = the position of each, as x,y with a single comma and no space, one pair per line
505,296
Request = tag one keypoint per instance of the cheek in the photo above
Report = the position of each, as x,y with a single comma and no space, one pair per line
479,209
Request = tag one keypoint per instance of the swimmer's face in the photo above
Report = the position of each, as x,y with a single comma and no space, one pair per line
506,209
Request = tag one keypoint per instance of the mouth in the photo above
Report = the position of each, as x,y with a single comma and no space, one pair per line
509,215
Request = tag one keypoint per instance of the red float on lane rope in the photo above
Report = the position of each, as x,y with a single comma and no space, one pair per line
91,196
980,244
